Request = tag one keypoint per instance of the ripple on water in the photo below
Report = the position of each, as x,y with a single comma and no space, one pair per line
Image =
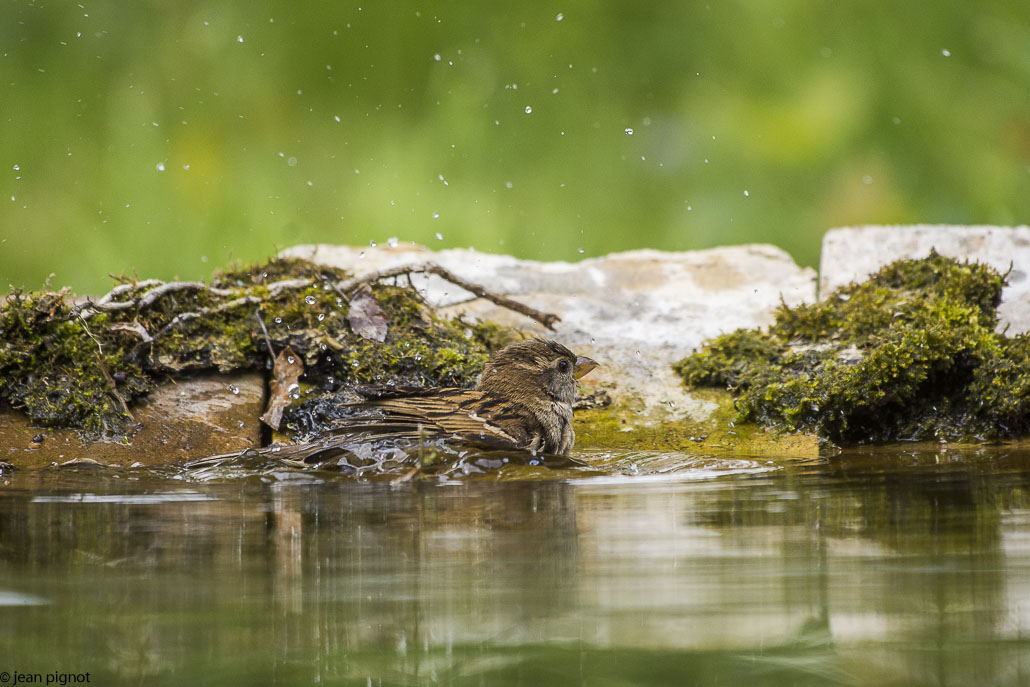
393,462
638,466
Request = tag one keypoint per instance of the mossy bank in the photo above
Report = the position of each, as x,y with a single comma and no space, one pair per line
81,363
910,354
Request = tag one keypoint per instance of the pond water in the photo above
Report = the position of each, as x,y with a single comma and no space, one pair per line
885,567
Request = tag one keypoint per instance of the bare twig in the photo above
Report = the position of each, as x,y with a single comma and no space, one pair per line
546,319
114,386
242,300
153,294
122,288
275,287
134,327
106,303
264,330
183,317
100,346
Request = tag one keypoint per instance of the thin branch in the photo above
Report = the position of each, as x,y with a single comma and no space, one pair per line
134,327
242,300
114,386
122,288
275,287
100,346
107,304
546,319
153,294
182,317
264,330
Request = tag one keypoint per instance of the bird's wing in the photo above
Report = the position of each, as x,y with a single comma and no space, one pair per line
465,413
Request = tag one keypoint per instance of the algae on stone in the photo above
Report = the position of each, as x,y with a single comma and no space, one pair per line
67,365
910,354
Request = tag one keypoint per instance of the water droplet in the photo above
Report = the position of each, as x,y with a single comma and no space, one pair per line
160,166
436,215
354,363
746,194
17,168
361,255
392,242
637,353
418,356
437,57
321,316
581,251
234,389
593,340
372,243
291,360
291,161
529,110
439,236
628,131
310,300
468,333
322,346
239,39
559,17
946,53
278,320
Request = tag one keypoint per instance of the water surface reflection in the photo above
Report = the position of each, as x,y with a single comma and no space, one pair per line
835,572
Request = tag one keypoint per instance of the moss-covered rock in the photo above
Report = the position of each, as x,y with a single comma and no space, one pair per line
910,354
79,365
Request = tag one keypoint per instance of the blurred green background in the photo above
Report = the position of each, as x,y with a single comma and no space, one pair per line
172,137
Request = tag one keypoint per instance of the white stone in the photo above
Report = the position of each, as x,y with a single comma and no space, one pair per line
854,253
636,312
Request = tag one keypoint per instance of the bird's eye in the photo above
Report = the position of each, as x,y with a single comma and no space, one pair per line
563,366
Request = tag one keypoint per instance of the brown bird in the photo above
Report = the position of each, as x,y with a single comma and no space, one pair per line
523,401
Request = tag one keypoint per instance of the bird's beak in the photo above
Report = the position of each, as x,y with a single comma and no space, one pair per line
583,366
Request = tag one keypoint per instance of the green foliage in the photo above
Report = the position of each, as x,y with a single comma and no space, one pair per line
909,354
66,366
179,131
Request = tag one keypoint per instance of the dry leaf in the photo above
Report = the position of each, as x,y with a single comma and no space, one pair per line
366,318
285,380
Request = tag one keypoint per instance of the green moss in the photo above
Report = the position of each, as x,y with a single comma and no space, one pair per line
910,354
50,358
714,433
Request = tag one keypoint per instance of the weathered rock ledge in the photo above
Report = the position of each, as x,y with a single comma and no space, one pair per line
636,312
